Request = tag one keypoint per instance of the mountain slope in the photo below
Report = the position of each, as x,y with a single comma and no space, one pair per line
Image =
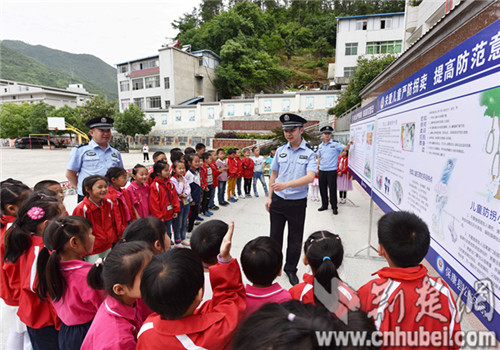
78,67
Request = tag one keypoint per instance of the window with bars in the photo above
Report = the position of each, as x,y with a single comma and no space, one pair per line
349,71
124,85
166,82
351,49
139,102
153,102
137,84
152,82
378,47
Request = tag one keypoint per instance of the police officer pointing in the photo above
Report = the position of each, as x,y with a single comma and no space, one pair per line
95,157
328,155
292,169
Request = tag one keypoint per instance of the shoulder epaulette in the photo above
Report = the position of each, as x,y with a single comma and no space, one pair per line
82,144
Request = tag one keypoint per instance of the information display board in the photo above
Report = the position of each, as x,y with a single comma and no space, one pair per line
436,152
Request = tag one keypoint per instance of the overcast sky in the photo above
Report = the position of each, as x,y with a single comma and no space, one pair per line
115,31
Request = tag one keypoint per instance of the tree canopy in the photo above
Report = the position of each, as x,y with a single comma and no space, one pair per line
256,39
132,122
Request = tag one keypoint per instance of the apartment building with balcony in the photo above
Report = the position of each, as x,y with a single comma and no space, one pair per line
172,77
366,35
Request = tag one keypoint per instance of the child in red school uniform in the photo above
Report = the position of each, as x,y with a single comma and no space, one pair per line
215,184
157,156
261,260
12,195
207,181
122,313
138,191
324,252
232,175
23,242
176,323
344,182
237,157
99,210
413,300
247,165
123,209
62,275
163,199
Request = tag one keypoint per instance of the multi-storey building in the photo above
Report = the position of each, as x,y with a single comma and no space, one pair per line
16,92
367,35
172,77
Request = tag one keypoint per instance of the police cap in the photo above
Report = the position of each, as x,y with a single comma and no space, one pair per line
326,129
100,123
291,121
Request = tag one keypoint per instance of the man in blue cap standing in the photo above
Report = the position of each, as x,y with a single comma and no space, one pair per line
95,157
292,169
328,152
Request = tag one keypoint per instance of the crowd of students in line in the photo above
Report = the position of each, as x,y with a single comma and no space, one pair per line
107,277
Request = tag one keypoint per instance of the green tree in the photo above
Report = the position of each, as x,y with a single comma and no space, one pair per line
14,120
209,9
132,121
98,107
38,117
72,116
366,70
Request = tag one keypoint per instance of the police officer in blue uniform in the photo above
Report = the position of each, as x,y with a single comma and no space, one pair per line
95,157
292,169
328,156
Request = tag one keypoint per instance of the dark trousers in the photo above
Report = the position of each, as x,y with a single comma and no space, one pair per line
45,338
206,198
146,156
282,211
71,337
328,181
193,214
238,186
343,194
247,186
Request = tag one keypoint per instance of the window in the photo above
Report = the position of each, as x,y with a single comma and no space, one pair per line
200,62
124,85
123,69
125,103
153,102
144,65
167,103
349,71
137,84
385,23
166,82
361,25
351,49
376,47
152,82
139,102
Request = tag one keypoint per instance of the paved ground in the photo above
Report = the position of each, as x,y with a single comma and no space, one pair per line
250,217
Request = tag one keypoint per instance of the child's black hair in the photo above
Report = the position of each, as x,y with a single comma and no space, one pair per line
287,326
113,173
405,237
231,151
157,154
158,168
90,181
274,148
207,238
175,149
325,253
171,282
17,238
189,150
147,230
356,322
174,166
254,148
44,184
188,158
176,155
57,233
205,156
220,150
200,146
121,266
12,193
136,168
261,260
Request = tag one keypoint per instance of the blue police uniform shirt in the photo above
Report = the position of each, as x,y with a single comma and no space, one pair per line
329,154
91,159
291,165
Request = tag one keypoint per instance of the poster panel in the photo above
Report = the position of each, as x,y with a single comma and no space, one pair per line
362,131
437,154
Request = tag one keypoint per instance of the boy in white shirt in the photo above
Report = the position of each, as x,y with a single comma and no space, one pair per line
258,171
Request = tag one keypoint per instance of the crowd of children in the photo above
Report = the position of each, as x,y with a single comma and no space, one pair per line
107,277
